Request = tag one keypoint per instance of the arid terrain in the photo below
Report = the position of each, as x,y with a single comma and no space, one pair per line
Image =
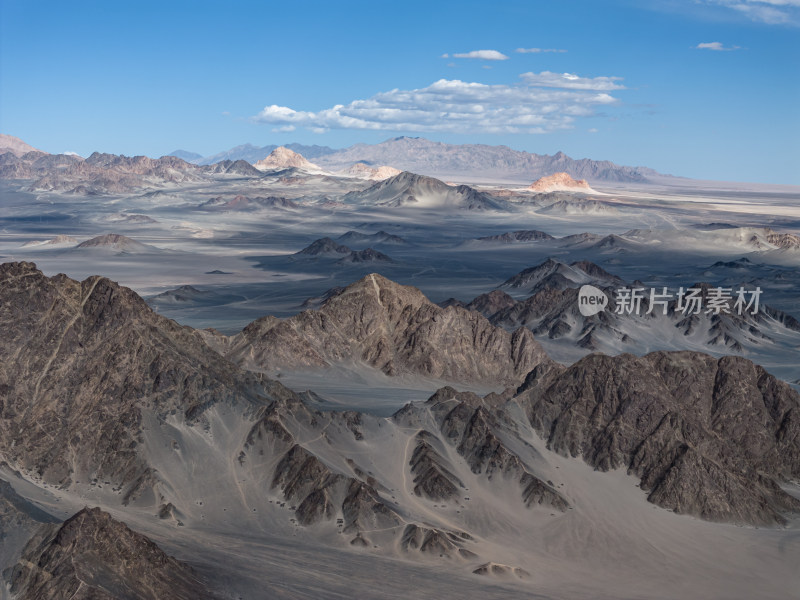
374,363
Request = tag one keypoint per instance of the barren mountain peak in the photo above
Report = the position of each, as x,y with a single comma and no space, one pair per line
9,143
118,242
559,182
393,328
282,158
94,556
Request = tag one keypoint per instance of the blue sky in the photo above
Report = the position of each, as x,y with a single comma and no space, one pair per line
623,80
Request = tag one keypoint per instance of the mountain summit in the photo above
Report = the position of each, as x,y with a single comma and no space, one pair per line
478,162
9,143
410,189
393,328
283,158
560,182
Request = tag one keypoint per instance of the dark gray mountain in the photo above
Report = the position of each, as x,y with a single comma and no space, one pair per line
92,556
553,273
367,255
316,301
119,243
579,206
479,430
530,235
234,167
245,203
711,438
324,247
184,293
551,311
91,379
410,189
356,239
79,364
393,328
19,520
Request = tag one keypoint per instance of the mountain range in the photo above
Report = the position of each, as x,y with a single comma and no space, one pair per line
104,398
106,173
552,312
390,327
450,161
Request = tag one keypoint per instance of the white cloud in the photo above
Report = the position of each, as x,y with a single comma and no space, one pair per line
482,54
537,50
593,130
456,106
771,12
716,46
572,82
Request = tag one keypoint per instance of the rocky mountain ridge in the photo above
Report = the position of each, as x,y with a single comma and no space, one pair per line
91,555
478,160
708,437
101,394
438,159
283,158
412,190
392,328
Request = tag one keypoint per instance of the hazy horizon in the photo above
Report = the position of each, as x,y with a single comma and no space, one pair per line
696,89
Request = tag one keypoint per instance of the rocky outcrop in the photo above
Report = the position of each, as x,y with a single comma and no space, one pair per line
782,240
323,247
355,239
282,158
103,173
93,556
410,189
579,206
501,571
432,477
368,255
393,328
19,520
559,182
479,429
552,312
240,203
708,437
553,273
81,361
233,167
527,235
118,243
437,542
